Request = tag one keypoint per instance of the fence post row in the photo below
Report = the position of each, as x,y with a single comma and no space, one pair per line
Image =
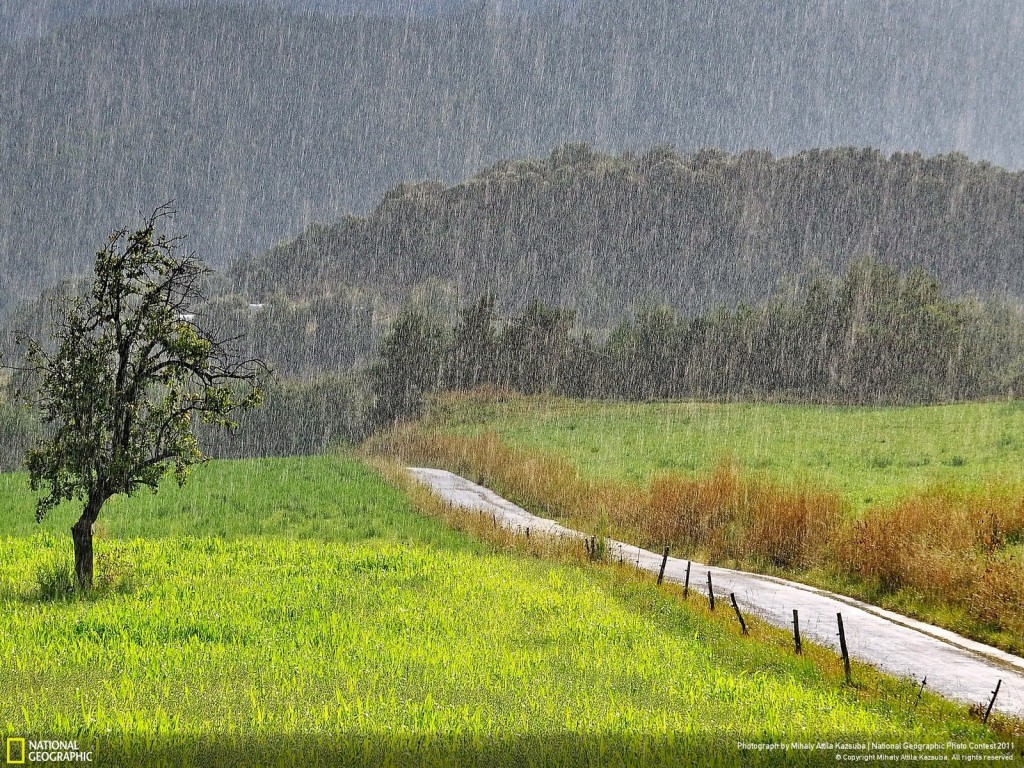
591,545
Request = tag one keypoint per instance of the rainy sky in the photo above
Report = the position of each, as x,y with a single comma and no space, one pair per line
260,118
19,18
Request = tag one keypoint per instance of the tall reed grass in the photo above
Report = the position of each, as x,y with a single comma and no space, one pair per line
721,514
950,546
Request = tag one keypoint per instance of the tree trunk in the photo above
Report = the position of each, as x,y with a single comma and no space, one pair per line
81,534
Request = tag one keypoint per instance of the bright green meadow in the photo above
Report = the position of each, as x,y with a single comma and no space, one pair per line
301,612
869,455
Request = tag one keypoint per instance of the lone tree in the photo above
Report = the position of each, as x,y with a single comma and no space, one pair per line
124,379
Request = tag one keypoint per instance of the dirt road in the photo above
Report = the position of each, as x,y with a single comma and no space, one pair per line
956,667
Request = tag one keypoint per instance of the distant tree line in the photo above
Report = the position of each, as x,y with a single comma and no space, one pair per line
327,334
299,416
871,336
317,349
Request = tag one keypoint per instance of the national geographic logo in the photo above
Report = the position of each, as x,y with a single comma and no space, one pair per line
15,751
42,751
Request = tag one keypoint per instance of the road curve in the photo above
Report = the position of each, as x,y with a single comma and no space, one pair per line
956,667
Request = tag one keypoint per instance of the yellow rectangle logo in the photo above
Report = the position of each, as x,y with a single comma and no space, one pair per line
15,751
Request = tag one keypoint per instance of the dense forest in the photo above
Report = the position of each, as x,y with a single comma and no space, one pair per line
606,237
607,234
260,120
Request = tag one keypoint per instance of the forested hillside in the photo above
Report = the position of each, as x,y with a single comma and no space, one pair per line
259,121
606,235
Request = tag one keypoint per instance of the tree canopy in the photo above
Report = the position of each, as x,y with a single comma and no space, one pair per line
125,377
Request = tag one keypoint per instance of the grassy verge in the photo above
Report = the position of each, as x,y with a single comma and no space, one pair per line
865,455
303,611
949,554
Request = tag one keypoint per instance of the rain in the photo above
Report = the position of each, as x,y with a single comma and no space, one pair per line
399,288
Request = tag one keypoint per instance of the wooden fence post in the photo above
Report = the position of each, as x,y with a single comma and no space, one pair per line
686,586
796,631
711,592
992,701
842,647
664,562
743,624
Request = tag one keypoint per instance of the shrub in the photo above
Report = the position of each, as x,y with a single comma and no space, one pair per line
792,527
719,515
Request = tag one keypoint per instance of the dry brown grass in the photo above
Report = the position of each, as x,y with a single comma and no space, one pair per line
948,545
719,515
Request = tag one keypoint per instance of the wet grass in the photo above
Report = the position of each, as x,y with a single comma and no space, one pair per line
947,553
305,611
867,455
328,498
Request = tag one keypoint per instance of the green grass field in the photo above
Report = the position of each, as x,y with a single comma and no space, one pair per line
869,455
300,611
